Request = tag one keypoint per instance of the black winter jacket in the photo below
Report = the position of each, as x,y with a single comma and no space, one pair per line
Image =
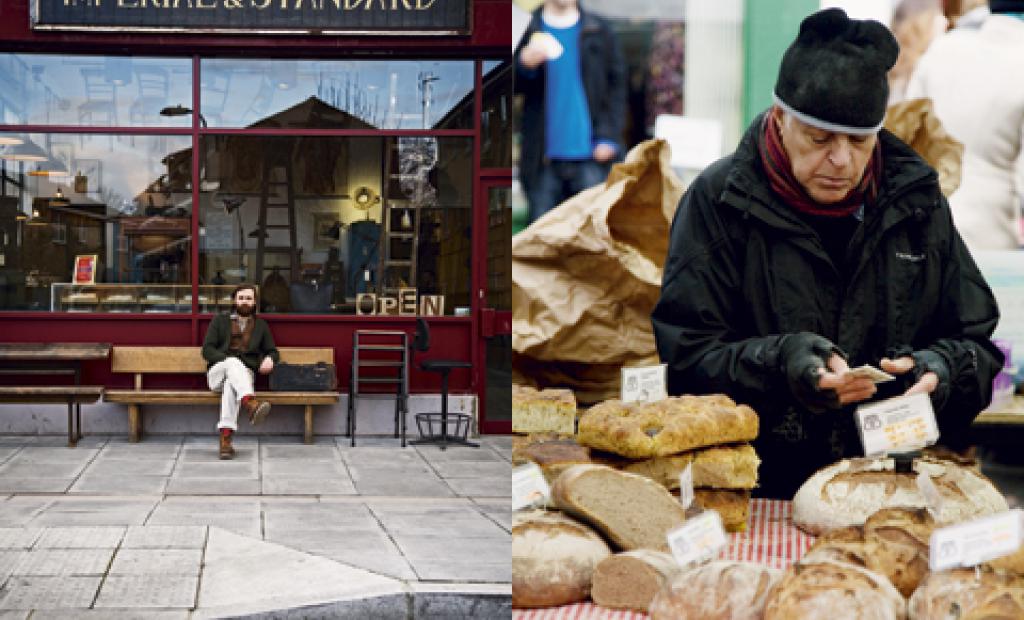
218,339
744,270
604,83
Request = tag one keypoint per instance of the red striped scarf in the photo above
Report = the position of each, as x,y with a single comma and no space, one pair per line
780,176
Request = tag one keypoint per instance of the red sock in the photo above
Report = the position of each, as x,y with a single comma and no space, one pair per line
246,398
225,431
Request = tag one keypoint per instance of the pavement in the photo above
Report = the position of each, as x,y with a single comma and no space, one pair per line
164,529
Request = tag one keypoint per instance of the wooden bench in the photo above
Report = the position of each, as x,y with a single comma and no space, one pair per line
189,360
71,395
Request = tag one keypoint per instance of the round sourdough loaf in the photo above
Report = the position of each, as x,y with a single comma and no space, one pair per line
629,580
553,559
848,492
966,594
719,590
834,591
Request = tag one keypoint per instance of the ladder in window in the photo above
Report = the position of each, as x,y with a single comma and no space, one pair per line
277,193
401,233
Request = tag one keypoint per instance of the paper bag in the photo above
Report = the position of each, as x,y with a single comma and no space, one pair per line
586,276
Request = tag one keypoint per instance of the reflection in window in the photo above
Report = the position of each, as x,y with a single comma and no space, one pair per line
496,118
45,89
64,195
314,221
356,94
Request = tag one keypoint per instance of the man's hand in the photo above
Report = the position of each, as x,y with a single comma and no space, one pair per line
926,384
604,152
532,56
849,389
267,366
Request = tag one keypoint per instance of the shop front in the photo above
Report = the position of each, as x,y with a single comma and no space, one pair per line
343,156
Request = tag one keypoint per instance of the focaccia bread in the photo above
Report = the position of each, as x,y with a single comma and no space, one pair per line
732,506
834,591
966,594
629,580
632,511
893,542
553,559
552,455
720,590
670,426
541,411
848,492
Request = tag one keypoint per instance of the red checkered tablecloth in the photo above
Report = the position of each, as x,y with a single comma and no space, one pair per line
771,539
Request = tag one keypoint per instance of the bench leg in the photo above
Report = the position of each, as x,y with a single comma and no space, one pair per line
72,442
308,438
134,423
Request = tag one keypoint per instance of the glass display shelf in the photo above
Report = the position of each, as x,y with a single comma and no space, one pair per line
138,298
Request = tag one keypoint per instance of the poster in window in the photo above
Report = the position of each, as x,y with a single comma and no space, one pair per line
85,269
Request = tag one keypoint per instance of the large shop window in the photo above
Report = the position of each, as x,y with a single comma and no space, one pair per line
337,94
317,221
94,223
496,117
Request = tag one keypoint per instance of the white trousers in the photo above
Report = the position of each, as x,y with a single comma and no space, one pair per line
233,380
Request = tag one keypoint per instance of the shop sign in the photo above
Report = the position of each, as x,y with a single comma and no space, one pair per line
371,17
898,424
971,543
406,304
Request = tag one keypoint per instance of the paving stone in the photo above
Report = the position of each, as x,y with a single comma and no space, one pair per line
481,572
112,614
49,592
159,591
106,466
473,469
26,469
213,486
471,559
16,615
455,454
9,562
307,469
417,486
165,537
18,511
19,537
370,441
211,454
222,469
159,561
353,516
295,485
34,485
37,454
429,521
491,487
80,538
362,553
57,562
94,484
245,524
75,511
315,452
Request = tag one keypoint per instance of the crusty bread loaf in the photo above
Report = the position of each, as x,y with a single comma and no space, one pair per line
629,580
1013,563
718,467
732,506
676,424
553,559
719,590
553,455
541,411
893,542
966,594
632,511
834,591
847,492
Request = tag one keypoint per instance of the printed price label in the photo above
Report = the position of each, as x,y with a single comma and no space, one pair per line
899,424
644,384
686,487
529,488
698,539
932,497
971,543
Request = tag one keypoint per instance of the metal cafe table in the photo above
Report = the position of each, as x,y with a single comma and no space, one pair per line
52,359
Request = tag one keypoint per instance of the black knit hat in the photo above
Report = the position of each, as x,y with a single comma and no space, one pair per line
1006,6
833,75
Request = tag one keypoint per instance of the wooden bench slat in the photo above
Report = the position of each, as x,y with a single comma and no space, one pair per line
189,360
208,397
50,394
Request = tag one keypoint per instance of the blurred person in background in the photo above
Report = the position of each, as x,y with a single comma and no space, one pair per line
571,73
975,79
821,244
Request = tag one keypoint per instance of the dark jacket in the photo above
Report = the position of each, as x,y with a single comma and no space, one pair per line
604,83
743,270
218,338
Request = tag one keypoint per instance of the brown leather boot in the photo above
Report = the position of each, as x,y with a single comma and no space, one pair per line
258,410
226,451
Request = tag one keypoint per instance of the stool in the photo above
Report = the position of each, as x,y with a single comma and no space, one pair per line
442,419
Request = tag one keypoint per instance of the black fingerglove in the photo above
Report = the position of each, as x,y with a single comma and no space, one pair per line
927,360
800,357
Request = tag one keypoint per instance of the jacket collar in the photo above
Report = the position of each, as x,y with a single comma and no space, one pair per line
588,22
904,175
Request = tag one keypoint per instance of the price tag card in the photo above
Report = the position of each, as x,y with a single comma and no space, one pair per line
698,539
971,543
686,487
529,488
899,424
644,384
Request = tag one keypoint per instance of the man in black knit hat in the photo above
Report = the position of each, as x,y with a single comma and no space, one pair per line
823,243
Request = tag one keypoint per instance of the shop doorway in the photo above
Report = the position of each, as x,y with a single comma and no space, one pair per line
495,373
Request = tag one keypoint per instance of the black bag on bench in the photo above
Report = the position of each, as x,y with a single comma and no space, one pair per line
303,377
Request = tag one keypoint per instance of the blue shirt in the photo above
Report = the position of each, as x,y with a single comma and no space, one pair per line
567,123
